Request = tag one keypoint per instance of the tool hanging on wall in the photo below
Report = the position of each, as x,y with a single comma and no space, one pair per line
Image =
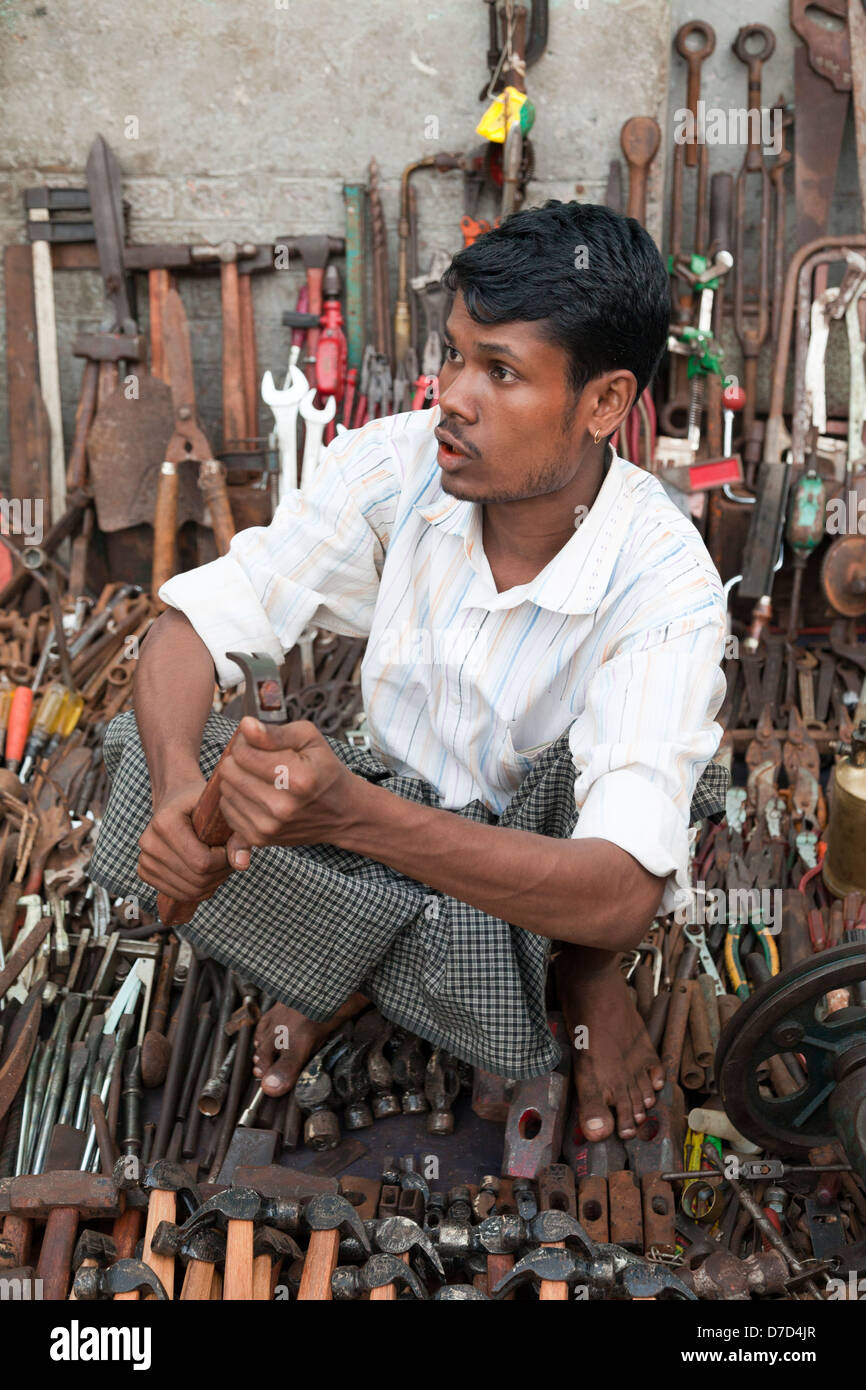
751,316
132,420
188,443
402,323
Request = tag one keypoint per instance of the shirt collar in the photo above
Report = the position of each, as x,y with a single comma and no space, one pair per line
576,579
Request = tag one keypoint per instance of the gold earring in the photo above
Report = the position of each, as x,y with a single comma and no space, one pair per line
597,437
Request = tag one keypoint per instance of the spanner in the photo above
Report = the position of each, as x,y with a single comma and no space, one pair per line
284,408
694,934
435,300
315,422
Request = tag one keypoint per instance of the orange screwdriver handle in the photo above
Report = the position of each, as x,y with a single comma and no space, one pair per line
16,730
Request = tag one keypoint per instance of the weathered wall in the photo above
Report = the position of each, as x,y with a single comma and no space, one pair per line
249,115
243,119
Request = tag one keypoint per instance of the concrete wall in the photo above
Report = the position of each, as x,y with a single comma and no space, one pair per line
243,119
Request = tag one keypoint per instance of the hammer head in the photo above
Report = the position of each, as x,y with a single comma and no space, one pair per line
331,1212
92,1194
94,1245
459,1293
165,1176
263,689
125,1276
315,250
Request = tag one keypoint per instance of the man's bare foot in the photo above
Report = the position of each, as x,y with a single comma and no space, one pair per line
285,1040
616,1069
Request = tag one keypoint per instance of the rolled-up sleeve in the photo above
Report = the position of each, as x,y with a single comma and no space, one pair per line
318,562
645,735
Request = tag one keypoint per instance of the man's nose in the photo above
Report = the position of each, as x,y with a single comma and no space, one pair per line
456,398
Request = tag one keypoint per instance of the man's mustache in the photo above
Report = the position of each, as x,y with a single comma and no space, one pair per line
448,427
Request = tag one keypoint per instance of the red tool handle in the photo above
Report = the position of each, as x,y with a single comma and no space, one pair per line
16,730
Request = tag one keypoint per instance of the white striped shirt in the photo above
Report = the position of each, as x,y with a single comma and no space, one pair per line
618,639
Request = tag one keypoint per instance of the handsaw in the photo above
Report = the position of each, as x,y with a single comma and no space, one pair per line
125,442
188,443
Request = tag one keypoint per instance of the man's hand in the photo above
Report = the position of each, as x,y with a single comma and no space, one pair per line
173,858
282,785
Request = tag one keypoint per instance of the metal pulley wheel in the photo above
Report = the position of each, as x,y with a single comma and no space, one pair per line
791,1014
843,575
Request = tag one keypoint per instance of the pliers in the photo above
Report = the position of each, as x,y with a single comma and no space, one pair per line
746,875
733,961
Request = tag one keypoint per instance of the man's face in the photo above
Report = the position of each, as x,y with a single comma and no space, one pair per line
505,400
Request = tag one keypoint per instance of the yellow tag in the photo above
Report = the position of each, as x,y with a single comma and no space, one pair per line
492,124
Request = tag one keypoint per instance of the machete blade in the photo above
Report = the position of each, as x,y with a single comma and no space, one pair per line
178,354
14,1069
104,185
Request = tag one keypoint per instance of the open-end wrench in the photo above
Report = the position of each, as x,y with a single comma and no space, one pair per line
688,155
752,334
694,934
284,407
315,422
435,301
694,56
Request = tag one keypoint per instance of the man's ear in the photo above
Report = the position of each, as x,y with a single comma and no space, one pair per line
616,397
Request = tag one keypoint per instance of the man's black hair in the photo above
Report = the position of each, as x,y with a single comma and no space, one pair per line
596,279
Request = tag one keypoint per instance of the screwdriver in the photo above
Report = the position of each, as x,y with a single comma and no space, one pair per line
47,715
16,728
6,693
67,720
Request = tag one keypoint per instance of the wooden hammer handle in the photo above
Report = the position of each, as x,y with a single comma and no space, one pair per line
197,1282
55,1258
164,527
319,1265
212,829
161,1207
238,1278
212,481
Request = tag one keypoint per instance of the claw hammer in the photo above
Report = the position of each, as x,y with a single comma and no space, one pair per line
263,699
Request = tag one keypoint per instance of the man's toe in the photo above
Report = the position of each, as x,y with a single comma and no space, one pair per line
637,1105
657,1075
263,1045
280,1076
596,1120
625,1117
646,1089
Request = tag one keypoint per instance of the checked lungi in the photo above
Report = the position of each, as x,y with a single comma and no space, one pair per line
312,924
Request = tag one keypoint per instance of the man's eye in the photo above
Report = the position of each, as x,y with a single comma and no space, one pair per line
499,367
449,347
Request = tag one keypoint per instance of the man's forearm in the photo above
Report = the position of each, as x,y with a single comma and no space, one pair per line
172,697
588,892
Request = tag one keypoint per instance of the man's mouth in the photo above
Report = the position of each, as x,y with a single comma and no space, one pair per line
450,452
